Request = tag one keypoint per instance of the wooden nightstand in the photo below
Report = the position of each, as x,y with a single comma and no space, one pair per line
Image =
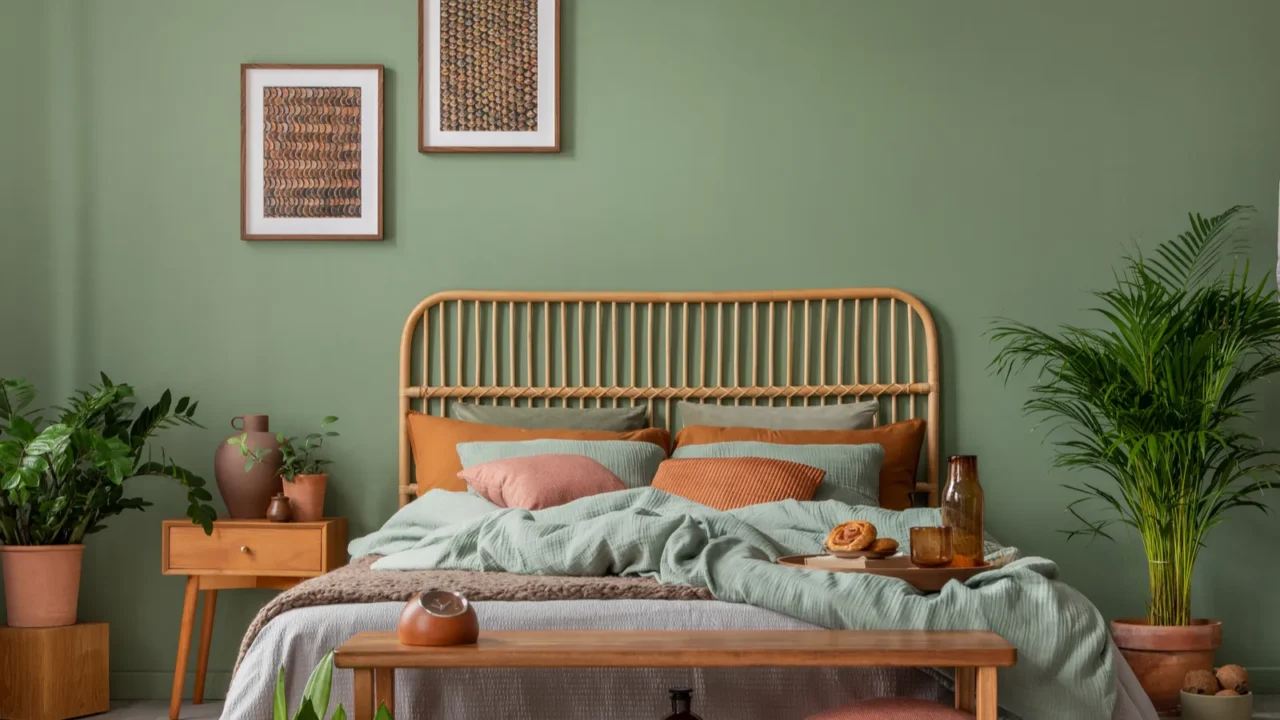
240,554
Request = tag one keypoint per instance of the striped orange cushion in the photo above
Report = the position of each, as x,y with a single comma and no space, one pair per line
728,483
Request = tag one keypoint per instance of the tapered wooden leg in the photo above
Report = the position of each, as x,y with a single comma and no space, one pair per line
986,709
363,694
184,644
966,686
206,632
384,689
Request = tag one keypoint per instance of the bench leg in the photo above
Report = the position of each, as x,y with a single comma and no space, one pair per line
986,709
966,688
384,689
363,709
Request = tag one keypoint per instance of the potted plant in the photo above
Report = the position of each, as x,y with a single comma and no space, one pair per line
60,481
315,696
1154,400
301,468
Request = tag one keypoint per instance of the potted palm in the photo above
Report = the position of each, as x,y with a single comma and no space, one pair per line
1153,400
301,468
60,481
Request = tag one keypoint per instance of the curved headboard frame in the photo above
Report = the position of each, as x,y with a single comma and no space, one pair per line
598,349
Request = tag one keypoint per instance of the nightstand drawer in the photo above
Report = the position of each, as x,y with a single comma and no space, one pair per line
246,550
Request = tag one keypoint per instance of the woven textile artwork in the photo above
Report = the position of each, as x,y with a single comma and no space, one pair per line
489,65
311,152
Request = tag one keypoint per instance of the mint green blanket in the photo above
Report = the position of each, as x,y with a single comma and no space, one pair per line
1064,660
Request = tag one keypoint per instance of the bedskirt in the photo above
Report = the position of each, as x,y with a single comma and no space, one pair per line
299,638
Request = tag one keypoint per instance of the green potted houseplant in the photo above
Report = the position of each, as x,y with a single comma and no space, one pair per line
61,479
315,696
1154,402
301,468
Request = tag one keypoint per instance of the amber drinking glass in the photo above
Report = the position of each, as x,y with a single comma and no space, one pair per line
931,547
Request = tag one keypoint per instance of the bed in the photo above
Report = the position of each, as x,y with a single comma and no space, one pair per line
610,350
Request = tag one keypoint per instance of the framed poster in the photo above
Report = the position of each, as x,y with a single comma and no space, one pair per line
311,152
489,75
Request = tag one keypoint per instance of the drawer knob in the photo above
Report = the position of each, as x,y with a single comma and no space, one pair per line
244,549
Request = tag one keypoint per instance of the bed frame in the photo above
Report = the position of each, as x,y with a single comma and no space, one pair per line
615,349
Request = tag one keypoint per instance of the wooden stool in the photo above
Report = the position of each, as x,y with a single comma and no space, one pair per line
893,709
54,673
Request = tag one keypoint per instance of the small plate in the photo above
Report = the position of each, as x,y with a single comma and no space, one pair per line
851,554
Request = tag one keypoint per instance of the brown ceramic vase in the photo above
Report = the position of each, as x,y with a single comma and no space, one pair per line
41,584
306,496
247,493
1161,655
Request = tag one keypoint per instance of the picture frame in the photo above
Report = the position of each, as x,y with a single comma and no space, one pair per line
303,182
489,81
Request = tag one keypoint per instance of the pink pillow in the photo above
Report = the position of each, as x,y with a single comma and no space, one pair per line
540,481
892,709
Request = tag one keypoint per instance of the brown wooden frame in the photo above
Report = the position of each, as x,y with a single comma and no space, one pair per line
244,149
504,367
422,95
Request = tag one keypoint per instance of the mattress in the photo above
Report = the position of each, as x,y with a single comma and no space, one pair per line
299,638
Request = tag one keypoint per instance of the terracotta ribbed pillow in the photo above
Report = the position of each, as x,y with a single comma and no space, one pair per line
434,441
892,709
540,481
728,483
901,442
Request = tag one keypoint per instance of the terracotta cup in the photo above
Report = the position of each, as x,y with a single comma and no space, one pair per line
41,584
306,496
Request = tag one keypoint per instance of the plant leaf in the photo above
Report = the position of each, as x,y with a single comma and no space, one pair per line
318,685
279,704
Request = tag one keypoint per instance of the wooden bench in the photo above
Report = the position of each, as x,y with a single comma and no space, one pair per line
975,655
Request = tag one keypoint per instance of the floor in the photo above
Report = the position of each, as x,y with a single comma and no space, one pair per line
1265,707
159,710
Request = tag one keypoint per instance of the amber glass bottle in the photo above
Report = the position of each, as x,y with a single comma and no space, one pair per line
962,510
681,699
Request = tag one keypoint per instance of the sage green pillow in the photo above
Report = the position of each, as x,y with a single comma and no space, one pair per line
621,419
843,416
635,463
853,471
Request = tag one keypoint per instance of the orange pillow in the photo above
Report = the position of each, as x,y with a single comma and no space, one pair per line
901,442
728,483
434,441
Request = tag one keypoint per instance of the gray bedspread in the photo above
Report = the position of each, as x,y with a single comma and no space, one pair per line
297,639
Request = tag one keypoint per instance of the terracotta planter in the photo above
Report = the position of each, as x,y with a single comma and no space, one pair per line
248,493
306,496
1213,707
1161,655
41,584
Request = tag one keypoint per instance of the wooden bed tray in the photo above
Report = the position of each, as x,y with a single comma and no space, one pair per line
975,655
619,349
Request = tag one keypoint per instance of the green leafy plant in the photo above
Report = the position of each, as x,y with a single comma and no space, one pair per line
1156,399
315,696
297,457
60,480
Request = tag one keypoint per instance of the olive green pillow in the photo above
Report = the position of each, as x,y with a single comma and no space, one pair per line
843,416
623,419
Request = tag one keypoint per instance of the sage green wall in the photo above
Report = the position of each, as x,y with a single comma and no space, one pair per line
991,157
24,233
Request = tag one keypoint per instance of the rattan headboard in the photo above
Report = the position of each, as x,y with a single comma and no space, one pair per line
606,349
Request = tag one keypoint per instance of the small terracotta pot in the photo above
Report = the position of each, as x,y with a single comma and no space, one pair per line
1214,707
1161,655
306,496
41,584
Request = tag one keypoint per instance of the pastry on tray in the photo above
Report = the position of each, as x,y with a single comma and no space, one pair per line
854,535
883,545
